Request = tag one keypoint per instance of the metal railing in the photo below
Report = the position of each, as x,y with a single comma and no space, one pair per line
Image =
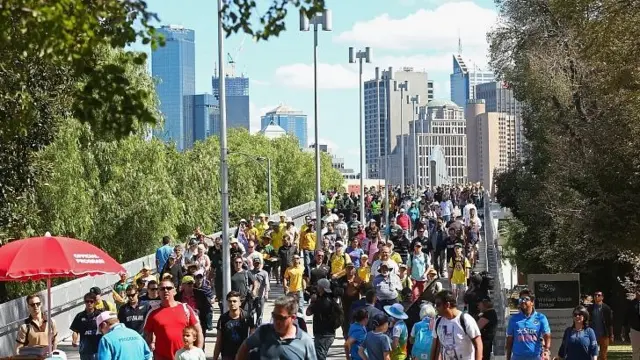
67,299
494,266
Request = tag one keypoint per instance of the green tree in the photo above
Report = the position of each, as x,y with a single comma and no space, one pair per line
571,64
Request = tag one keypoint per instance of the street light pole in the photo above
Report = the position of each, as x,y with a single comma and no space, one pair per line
403,86
323,19
415,100
366,56
224,166
386,147
269,186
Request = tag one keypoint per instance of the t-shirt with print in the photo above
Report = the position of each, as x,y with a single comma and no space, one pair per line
455,344
167,323
85,325
401,332
527,333
460,265
234,332
191,354
376,345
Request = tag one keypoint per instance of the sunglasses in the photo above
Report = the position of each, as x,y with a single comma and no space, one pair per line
523,299
131,295
33,305
577,314
597,295
166,288
278,317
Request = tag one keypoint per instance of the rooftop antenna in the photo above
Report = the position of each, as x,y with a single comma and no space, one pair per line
215,69
459,43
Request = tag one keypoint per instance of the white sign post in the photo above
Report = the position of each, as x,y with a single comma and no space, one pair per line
556,295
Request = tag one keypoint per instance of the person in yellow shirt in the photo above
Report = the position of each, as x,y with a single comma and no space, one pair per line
102,304
276,235
263,224
339,261
364,271
394,255
294,281
459,267
308,243
283,221
305,226
251,230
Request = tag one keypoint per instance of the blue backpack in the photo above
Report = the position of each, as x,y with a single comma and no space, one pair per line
423,340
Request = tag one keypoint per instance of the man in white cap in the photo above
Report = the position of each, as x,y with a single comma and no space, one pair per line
119,342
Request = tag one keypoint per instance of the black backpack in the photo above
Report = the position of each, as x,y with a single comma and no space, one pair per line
337,314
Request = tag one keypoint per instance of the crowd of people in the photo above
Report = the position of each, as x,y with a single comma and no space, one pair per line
361,277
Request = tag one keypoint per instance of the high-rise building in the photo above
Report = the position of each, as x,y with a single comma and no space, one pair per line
464,79
294,122
491,142
174,65
499,98
206,116
237,94
389,103
440,134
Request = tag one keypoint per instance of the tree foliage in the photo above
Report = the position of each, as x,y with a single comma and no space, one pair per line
573,66
242,15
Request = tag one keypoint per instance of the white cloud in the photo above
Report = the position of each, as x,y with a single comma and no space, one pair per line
259,82
330,76
436,29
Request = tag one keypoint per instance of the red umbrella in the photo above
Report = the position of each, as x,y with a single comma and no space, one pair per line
50,257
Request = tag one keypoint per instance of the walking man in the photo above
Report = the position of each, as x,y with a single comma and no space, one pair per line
234,327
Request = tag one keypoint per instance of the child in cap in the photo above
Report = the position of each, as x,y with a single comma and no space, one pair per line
376,344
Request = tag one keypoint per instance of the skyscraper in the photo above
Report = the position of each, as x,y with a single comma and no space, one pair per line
174,65
463,81
206,116
390,104
499,98
294,122
491,142
237,93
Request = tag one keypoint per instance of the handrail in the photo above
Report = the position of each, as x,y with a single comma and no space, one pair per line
498,295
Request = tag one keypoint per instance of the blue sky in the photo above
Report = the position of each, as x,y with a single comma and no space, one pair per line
418,33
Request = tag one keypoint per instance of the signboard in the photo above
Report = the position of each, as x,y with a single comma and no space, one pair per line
550,294
555,296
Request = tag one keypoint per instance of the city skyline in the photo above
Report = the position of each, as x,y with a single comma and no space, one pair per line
422,34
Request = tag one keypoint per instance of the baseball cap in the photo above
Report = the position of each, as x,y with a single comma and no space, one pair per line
95,290
325,285
199,273
379,319
188,279
104,316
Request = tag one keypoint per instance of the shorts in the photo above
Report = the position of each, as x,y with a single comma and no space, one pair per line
462,287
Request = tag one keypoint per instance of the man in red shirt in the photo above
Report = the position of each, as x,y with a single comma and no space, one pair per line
403,220
166,323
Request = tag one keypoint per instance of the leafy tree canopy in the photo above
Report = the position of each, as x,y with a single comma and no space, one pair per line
573,66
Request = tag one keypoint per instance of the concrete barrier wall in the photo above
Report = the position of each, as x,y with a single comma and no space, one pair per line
68,299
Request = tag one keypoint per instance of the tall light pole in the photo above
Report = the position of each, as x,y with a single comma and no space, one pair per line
224,166
323,19
415,100
387,83
366,56
402,87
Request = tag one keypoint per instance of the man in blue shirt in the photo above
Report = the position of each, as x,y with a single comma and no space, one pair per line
528,332
163,253
119,342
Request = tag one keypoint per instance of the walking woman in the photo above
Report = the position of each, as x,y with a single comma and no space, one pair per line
579,341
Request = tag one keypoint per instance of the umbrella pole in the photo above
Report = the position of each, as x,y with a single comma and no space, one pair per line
49,325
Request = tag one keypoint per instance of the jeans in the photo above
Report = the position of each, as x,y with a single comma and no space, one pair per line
300,295
258,305
323,344
85,356
308,257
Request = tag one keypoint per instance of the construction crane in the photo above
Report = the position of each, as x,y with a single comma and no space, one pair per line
232,60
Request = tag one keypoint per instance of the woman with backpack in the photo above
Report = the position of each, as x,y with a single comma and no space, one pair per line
422,333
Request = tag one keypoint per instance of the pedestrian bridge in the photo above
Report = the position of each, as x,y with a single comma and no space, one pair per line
68,298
